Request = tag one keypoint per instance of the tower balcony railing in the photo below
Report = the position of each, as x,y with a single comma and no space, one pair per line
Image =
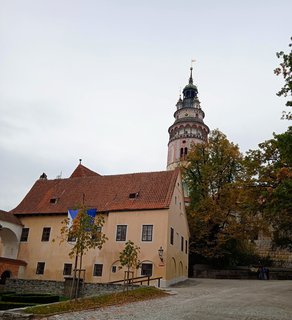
188,135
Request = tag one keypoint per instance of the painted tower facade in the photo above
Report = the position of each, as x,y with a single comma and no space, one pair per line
188,128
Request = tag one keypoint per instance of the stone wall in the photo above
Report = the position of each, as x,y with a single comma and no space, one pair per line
58,287
34,286
94,289
241,273
280,257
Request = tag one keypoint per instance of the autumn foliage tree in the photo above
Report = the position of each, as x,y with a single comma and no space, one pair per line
285,69
129,259
215,176
84,233
270,167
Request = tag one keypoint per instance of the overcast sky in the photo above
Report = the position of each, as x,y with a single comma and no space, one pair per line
99,80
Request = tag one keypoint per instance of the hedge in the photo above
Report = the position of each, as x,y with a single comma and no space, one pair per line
13,305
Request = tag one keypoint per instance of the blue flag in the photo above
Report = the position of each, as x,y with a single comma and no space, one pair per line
91,213
71,216
73,213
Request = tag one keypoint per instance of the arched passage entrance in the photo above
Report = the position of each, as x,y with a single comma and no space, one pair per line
9,243
10,233
173,268
181,271
5,275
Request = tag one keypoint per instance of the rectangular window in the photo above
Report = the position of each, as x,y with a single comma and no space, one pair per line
97,270
67,269
186,247
146,269
147,230
171,235
181,152
71,238
121,233
114,269
24,234
182,240
40,268
46,234
96,235
53,200
134,195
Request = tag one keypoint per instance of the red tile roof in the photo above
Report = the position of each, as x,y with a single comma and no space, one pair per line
9,217
82,171
106,193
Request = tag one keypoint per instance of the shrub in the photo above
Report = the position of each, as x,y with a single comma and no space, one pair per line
5,292
13,305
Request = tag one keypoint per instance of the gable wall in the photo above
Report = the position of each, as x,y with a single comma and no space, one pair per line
177,260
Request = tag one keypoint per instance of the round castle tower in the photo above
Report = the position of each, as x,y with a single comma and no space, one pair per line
188,128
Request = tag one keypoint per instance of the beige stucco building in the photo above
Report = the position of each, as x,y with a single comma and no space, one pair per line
146,208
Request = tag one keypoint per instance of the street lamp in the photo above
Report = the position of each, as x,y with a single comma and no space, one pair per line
160,253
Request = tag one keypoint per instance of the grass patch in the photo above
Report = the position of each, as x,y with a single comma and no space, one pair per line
98,302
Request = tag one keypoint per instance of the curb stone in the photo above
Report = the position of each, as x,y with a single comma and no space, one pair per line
10,314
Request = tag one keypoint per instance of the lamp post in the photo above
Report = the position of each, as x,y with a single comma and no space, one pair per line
160,253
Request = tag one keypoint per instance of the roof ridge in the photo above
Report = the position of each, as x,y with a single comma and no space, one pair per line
135,173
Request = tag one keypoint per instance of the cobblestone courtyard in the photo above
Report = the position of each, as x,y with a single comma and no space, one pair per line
206,299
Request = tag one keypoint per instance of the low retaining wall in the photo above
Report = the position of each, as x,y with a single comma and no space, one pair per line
93,289
34,286
58,287
241,273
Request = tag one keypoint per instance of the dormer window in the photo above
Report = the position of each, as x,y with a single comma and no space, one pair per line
133,195
53,200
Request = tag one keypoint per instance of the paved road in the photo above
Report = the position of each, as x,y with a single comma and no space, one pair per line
206,299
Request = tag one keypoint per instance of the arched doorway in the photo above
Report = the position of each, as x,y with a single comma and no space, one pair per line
6,274
173,268
181,269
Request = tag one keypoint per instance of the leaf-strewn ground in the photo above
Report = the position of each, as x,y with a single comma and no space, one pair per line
97,302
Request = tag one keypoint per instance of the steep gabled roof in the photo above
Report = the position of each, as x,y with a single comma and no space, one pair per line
136,191
82,171
9,217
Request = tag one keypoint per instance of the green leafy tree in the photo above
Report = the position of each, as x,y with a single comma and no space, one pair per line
285,69
129,259
215,177
85,231
270,167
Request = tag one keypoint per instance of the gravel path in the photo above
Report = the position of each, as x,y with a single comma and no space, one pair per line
205,299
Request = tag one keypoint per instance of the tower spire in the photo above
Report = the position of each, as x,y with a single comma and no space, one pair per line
191,76
191,68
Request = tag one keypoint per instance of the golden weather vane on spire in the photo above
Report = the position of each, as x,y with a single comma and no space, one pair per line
191,68
192,61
